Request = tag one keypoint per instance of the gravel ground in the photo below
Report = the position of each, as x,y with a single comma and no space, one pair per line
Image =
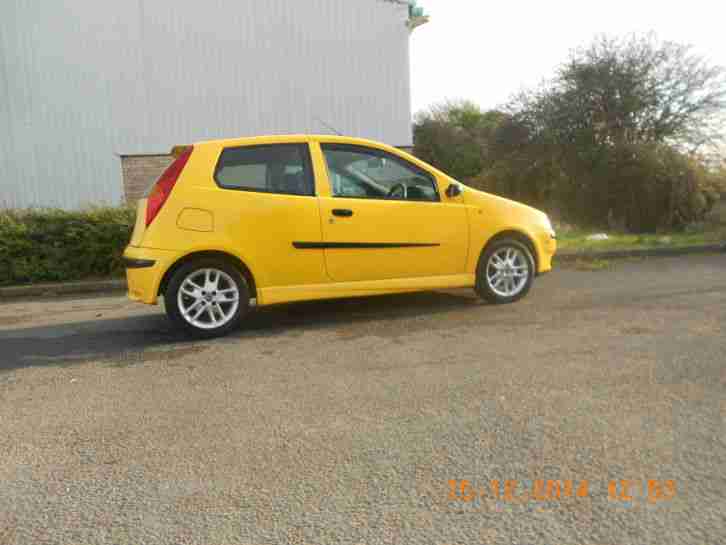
343,422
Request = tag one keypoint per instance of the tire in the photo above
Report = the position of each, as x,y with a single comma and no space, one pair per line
509,286
194,304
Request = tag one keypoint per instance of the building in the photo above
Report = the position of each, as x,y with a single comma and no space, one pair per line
95,93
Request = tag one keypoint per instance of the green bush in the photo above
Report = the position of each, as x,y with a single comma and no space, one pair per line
49,245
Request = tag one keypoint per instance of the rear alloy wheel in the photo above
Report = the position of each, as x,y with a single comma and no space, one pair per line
207,297
506,271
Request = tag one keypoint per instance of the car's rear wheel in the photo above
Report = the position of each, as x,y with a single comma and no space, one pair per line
505,272
207,297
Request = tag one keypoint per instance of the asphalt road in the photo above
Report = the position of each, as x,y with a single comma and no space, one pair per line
343,422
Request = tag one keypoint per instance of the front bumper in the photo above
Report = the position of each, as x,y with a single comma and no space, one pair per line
548,248
145,268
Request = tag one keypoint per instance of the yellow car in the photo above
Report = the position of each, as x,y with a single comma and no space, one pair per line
234,224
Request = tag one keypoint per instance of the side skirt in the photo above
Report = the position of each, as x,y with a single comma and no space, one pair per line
289,294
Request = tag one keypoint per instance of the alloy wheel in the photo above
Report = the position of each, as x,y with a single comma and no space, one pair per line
507,271
208,298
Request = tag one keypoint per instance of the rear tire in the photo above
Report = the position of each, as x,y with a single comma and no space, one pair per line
505,272
207,297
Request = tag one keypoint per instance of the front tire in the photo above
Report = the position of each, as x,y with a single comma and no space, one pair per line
207,297
505,272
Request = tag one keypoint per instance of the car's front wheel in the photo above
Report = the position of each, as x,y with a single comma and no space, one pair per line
505,272
207,297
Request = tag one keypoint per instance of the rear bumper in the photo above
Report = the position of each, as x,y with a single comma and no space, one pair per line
135,263
145,268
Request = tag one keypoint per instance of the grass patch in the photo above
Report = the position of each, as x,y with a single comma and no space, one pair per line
592,265
577,239
711,231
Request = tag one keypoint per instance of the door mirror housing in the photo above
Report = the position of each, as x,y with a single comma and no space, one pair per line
454,190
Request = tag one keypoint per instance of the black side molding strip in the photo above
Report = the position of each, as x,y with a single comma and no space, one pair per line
130,263
356,245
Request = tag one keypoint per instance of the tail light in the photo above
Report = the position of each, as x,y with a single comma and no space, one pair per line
162,188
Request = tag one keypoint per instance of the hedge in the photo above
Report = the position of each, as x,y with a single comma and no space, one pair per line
49,245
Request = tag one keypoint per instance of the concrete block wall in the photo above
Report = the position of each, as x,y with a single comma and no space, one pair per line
139,172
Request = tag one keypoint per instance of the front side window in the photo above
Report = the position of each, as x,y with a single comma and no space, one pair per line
360,172
277,168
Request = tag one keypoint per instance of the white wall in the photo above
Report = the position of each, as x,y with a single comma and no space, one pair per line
82,81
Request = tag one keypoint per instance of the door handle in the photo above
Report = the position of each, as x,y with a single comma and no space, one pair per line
342,212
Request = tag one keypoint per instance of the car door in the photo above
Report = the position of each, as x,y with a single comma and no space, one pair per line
386,217
268,202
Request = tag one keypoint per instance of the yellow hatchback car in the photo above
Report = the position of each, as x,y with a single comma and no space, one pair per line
234,224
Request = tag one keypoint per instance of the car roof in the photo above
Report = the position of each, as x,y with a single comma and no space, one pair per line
290,138
305,138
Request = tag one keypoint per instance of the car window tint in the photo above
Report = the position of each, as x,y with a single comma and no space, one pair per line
250,176
278,168
357,171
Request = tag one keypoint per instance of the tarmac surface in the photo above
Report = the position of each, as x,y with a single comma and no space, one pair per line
356,421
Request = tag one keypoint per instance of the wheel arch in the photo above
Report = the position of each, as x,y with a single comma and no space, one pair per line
230,258
520,236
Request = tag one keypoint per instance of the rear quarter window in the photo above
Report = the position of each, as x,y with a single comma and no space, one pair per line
277,168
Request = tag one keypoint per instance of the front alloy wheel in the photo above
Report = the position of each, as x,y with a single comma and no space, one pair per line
505,272
207,298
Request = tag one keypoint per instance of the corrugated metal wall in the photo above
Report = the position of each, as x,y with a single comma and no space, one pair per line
82,81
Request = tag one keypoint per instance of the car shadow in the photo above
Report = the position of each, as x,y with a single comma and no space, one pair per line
135,339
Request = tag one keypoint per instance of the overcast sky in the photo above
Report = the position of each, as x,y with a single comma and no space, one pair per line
486,51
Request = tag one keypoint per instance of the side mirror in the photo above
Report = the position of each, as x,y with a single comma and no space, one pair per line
454,190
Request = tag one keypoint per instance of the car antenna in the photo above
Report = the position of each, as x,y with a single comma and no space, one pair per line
324,124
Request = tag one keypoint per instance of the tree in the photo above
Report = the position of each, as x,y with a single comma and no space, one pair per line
454,137
615,108
616,138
